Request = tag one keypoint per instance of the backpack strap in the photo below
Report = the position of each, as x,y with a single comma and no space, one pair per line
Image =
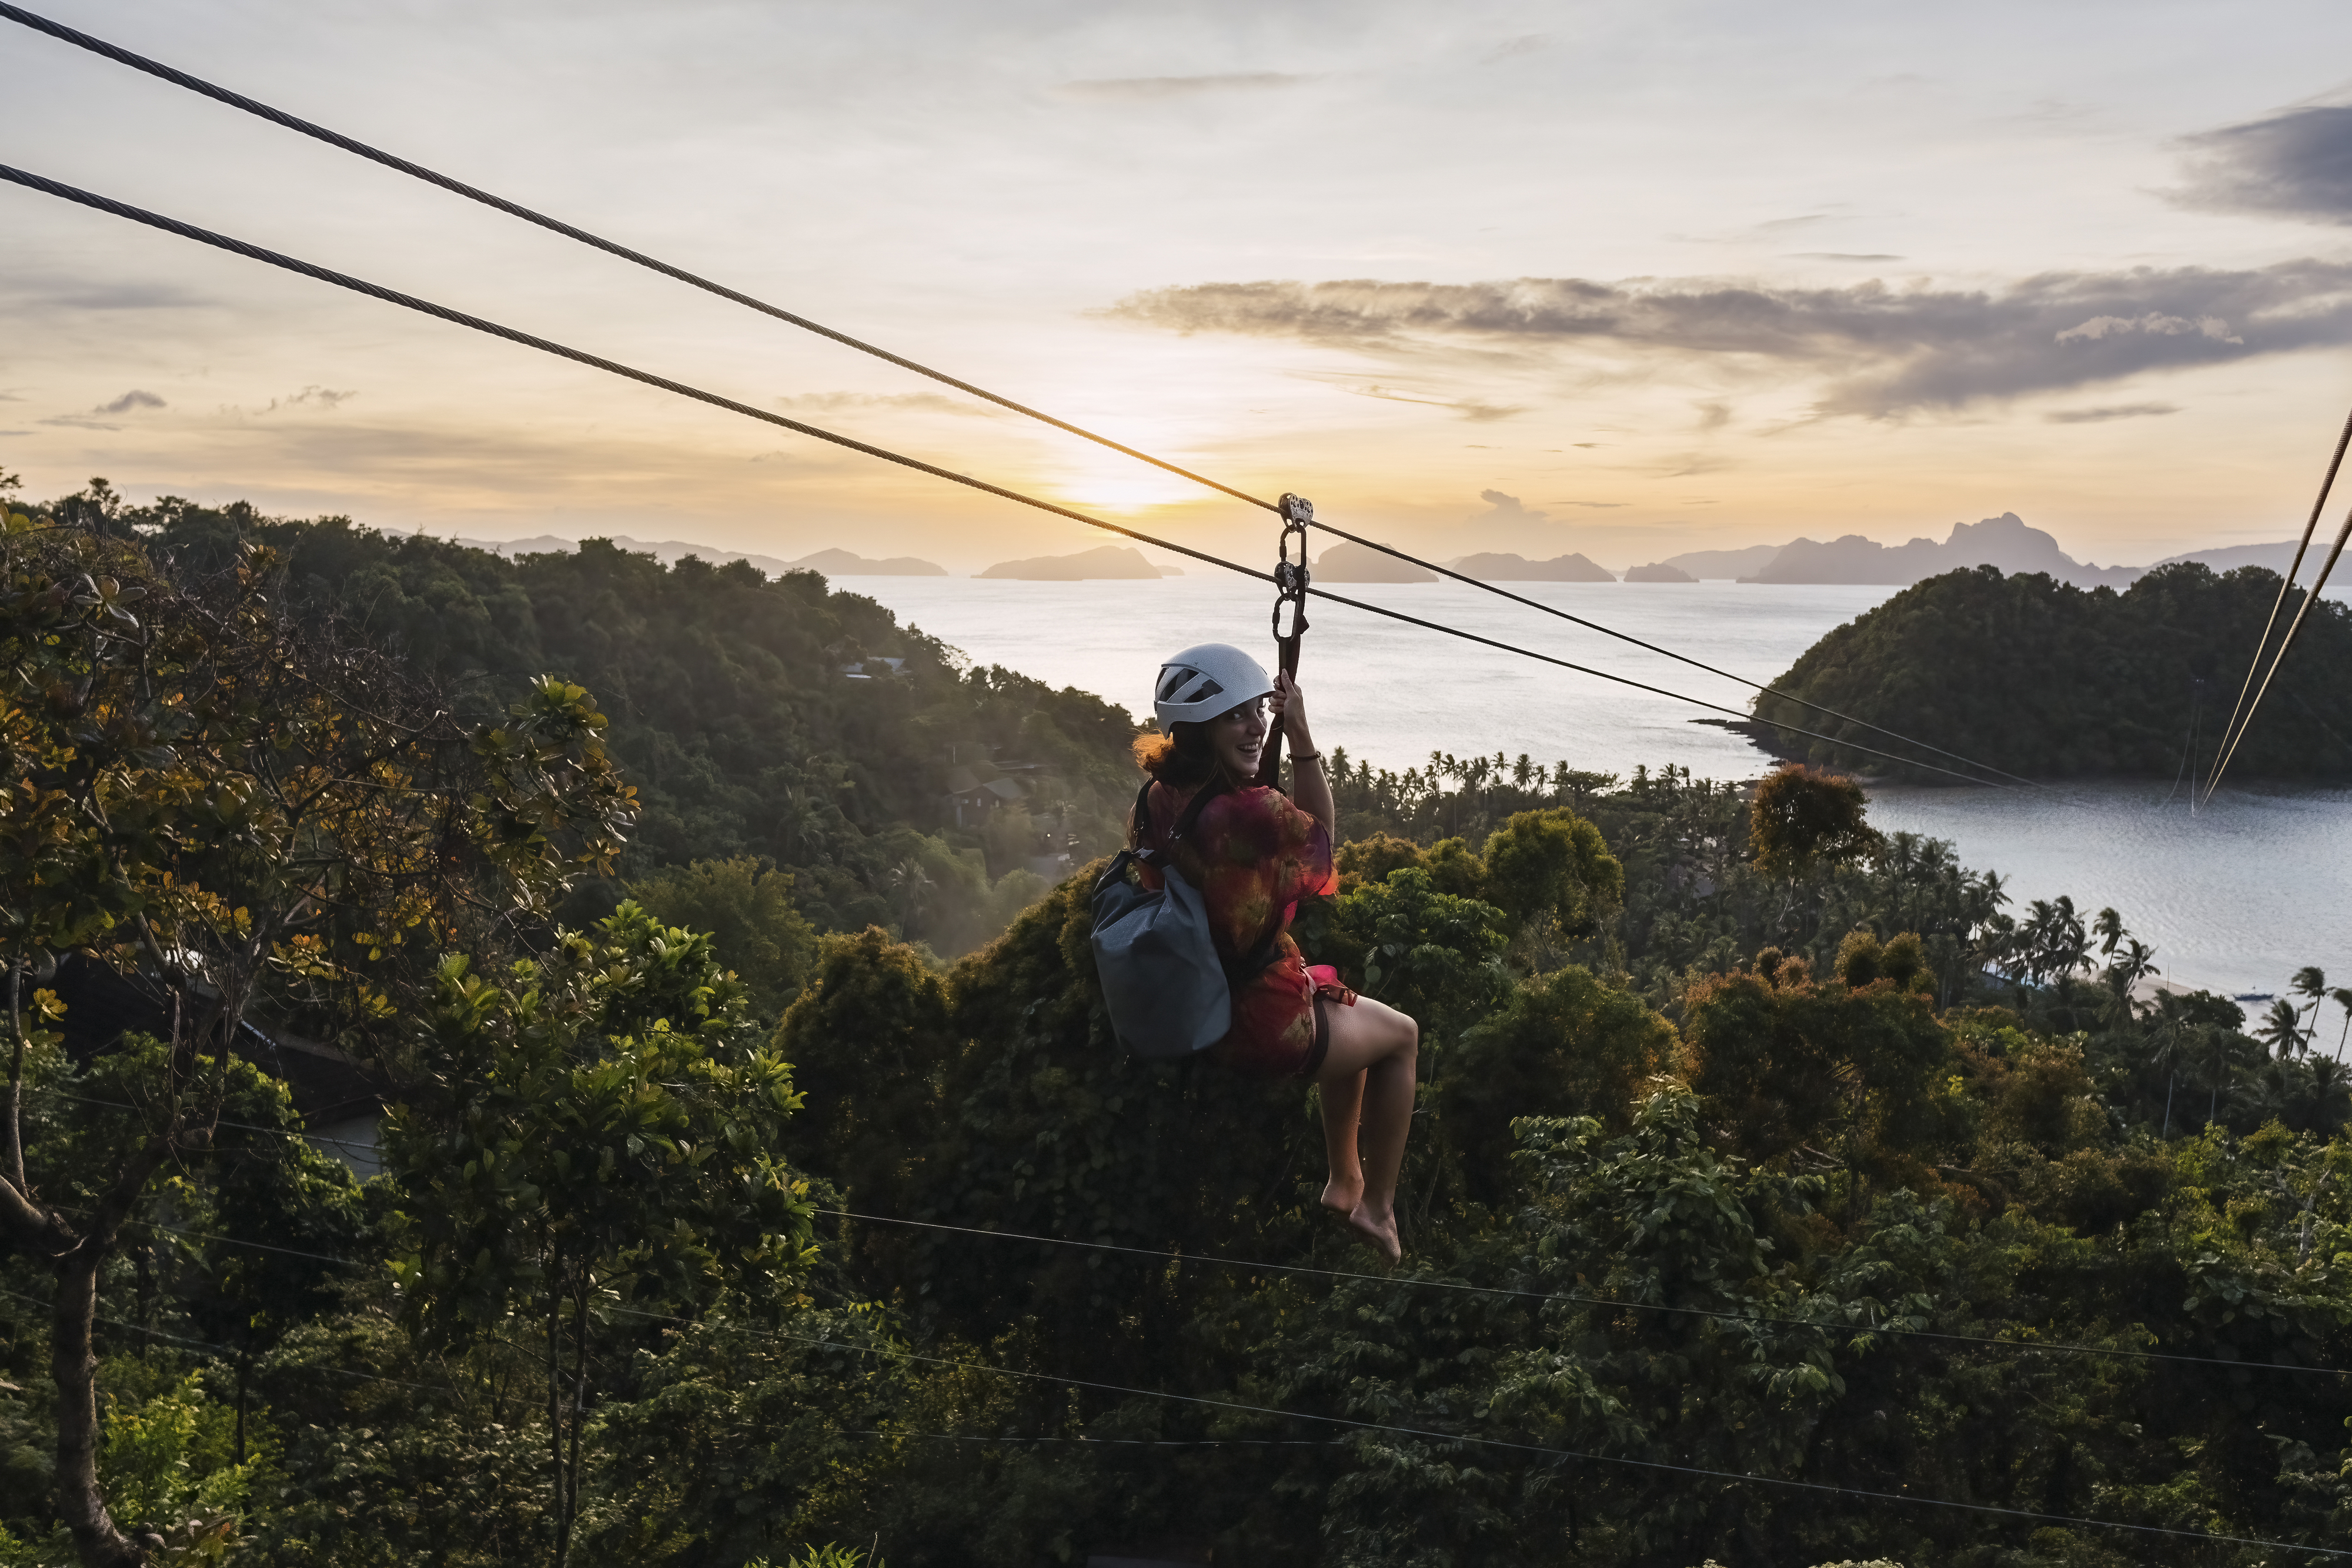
1184,823
1141,821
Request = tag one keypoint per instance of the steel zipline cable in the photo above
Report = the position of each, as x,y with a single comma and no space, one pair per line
2228,742
2294,630
1353,1424
458,317
177,77
194,84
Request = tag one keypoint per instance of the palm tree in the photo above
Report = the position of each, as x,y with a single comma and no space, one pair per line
2331,1094
2281,1029
2343,996
2070,947
2129,968
911,886
2218,1041
2109,929
2309,982
2171,1041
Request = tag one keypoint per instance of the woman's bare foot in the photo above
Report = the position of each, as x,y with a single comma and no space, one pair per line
1342,1200
1381,1230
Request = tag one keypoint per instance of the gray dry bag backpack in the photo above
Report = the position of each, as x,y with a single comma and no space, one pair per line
1168,992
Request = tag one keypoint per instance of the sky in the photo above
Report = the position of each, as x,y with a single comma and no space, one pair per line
1625,279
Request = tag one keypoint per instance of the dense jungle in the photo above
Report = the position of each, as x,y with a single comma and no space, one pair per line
761,1182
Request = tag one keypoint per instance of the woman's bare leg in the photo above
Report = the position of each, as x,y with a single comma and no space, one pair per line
1343,1106
1377,1048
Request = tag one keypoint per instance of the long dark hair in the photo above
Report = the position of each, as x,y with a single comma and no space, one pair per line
1181,760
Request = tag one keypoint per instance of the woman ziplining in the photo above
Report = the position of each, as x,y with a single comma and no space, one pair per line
1243,855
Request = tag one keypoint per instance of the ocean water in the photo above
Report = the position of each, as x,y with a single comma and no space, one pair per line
2236,897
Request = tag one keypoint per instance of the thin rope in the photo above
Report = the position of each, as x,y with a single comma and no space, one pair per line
2286,644
1246,1264
1656,1465
2286,584
474,193
458,317
1249,1265
1117,1442
471,193
217,1354
1439,1436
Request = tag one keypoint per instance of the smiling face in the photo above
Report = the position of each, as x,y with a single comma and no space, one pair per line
1238,737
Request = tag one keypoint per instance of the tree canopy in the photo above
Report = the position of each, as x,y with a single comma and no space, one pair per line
2048,680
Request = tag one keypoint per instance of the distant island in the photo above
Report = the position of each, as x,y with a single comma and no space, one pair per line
670,552
1659,571
1494,567
1103,562
2045,679
1348,562
2006,541
846,563
1703,564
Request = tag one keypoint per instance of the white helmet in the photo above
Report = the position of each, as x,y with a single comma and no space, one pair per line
1203,683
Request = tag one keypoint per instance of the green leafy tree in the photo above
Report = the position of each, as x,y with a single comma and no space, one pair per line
1564,1044
1794,1063
232,810
745,907
868,1040
2042,679
1551,870
597,1139
1434,955
1803,817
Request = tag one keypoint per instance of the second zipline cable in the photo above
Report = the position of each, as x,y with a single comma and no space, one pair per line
275,116
91,199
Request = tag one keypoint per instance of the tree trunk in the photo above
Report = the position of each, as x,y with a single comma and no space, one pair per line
555,1416
14,1154
579,1395
73,1365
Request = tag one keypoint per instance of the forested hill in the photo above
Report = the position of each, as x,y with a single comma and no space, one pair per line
2045,679
756,718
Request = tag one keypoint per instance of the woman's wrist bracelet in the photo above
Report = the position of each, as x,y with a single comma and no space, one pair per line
1298,757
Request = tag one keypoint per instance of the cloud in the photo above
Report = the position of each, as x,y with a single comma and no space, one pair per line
930,403
1597,505
2101,415
1843,256
1503,509
2297,163
1475,412
79,294
2099,326
310,397
128,403
1129,90
1878,351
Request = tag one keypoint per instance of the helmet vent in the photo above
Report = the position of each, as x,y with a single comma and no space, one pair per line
1169,687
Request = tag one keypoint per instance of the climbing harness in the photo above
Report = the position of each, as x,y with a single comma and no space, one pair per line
1290,580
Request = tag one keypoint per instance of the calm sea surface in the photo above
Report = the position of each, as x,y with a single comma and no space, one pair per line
2236,897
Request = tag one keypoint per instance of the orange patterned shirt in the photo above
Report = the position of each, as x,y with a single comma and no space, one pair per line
1254,854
